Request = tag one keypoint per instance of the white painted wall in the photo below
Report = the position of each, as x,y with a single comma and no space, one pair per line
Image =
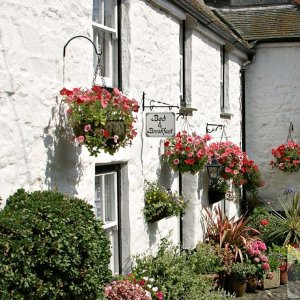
272,96
37,151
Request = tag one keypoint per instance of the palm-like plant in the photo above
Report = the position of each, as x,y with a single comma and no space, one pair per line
229,233
288,221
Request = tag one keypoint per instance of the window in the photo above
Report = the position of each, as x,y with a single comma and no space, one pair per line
105,35
224,99
106,208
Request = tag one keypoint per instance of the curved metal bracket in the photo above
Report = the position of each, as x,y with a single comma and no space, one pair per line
215,127
81,36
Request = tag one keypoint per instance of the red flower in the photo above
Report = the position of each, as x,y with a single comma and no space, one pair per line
160,295
190,161
142,282
264,222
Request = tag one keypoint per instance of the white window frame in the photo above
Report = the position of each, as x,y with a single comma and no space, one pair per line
111,227
110,49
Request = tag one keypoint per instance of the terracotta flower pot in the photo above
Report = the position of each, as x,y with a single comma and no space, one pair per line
284,277
252,284
238,287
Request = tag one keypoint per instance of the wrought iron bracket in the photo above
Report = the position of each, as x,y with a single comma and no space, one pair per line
213,127
151,106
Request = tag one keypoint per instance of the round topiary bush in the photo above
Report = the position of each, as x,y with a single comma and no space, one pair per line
52,247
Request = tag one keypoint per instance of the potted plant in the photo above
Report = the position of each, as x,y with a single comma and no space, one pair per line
187,152
286,157
288,221
162,203
101,120
217,190
280,253
240,272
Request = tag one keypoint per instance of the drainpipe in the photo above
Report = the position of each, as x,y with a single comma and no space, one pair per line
243,96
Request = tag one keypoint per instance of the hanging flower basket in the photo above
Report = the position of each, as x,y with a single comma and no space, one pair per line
102,121
286,157
187,152
236,165
162,203
217,190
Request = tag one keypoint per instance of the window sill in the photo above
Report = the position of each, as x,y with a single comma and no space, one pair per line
226,115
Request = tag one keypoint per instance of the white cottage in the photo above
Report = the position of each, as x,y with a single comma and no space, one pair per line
177,52
272,88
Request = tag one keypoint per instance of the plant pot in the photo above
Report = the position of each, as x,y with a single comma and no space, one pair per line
252,284
159,216
284,277
274,282
215,196
238,287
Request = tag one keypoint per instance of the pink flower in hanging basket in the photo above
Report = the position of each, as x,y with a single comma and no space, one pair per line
101,120
286,157
186,152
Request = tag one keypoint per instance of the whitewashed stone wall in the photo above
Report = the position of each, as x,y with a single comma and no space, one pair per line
37,151
272,96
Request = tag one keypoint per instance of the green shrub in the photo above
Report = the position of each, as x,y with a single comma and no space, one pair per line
170,271
52,247
205,260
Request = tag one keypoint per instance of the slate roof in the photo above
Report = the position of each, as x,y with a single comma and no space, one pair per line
207,17
264,23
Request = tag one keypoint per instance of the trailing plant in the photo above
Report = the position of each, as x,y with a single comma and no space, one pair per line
52,247
162,202
229,233
187,152
219,185
286,157
101,120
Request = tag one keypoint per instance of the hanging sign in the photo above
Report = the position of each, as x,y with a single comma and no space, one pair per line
160,124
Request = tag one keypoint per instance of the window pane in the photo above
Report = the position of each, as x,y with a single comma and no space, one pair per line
110,197
96,11
98,197
109,13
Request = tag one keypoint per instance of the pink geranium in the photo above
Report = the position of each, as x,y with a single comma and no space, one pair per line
187,152
101,120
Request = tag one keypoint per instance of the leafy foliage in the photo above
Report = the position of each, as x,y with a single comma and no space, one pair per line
229,233
288,221
159,200
240,271
52,247
173,274
205,260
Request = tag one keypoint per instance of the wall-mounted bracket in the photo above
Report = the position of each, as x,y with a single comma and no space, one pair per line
213,127
151,102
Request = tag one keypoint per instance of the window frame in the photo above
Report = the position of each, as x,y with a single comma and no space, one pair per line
113,228
111,46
